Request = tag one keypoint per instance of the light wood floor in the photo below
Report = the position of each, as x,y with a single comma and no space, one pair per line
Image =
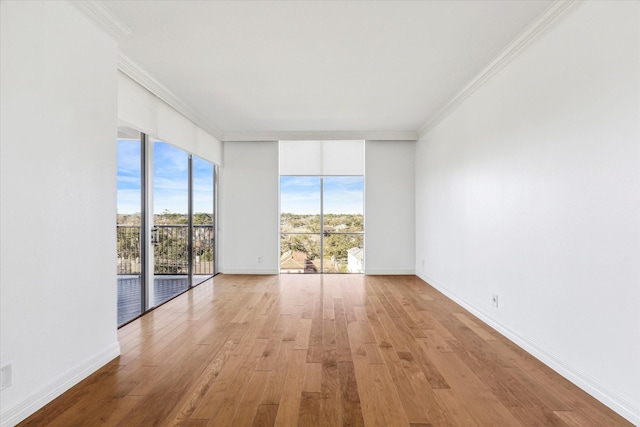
315,350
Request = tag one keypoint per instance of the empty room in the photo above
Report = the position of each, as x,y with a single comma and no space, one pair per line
319,213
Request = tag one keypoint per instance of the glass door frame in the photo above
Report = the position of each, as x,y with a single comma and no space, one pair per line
147,239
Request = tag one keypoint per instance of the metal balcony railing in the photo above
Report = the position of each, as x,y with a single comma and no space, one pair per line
170,249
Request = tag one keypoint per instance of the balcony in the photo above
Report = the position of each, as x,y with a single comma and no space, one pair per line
170,262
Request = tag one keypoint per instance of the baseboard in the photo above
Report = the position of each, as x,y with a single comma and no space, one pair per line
389,271
36,400
620,404
381,271
250,271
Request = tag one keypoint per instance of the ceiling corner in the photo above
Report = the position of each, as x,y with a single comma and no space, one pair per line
95,10
502,59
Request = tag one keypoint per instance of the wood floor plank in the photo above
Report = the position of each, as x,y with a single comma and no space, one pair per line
436,414
453,408
373,353
413,408
391,404
192,399
118,409
484,407
350,397
319,350
314,354
309,409
265,416
482,333
273,390
431,372
292,324
349,302
394,337
215,396
225,412
370,402
269,357
434,324
289,407
313,377
248,405
330,413
434,339
342,336
303,334
365,327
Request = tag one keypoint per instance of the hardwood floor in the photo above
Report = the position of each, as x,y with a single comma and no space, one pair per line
320,350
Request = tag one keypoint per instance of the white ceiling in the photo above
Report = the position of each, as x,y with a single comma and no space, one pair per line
291,66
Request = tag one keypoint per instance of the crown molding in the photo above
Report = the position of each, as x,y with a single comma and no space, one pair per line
320,136
144,79
99,14
498,63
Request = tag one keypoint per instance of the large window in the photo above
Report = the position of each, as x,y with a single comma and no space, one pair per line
165,222
322,206
322,224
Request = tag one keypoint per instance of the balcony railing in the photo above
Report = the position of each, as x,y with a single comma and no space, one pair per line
170,251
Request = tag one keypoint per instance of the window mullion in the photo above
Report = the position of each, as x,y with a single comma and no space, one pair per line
321,224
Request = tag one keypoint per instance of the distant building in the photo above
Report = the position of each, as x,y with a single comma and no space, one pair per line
355,260
296,262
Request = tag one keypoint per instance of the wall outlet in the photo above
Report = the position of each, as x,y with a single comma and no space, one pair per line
423,262
259,259
6,374
494,300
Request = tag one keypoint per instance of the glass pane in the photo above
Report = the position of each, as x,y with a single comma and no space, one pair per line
300,253
203,255
343,253
300,204
170,216
343,204
129,182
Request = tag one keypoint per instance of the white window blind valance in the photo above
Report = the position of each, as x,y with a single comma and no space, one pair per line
321,157
142,110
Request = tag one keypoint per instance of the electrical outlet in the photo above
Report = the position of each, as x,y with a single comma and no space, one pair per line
494,300
6,375
259,259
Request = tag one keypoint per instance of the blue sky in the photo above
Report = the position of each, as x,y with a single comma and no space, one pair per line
298,194
169,179
342,194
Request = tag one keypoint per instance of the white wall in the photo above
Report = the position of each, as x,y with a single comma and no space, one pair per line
58,196
530,190
249,208
390,207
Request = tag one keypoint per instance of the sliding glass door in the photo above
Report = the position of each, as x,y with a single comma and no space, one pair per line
129,225
165,223
170,221
322,224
